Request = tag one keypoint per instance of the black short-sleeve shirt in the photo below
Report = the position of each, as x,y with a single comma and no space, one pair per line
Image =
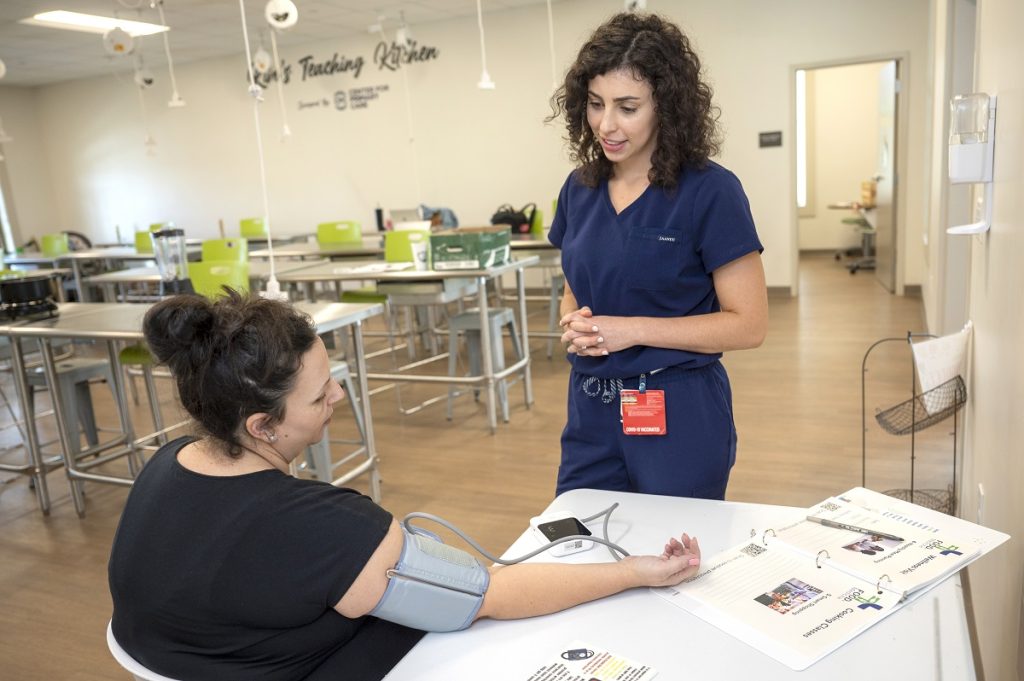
236,577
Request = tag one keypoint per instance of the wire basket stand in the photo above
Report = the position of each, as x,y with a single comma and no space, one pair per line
921,411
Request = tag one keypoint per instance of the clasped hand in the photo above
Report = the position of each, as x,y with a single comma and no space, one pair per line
590,336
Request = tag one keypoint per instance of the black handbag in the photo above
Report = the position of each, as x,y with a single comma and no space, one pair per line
520,220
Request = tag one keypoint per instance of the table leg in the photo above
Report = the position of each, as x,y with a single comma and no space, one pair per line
70,450
524,334
76,269
34,453
364,396
487,359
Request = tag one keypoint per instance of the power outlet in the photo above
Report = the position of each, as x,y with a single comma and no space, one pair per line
981,504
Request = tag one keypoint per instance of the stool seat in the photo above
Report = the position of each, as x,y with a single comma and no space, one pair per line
468,322
73,375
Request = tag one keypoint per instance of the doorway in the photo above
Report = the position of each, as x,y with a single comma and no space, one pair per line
846,157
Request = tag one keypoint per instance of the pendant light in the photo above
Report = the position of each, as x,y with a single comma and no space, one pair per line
176,101
551,46
273,287
485,78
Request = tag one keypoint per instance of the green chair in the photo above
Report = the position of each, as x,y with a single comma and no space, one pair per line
398,245
53,245
209,277
342,232
537,225
225,250
252,228
143,244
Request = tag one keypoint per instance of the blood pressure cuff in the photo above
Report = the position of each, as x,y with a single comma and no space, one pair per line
434,587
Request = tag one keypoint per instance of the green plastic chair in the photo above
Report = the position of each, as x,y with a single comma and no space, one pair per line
210,276
252,228
143,244
53,245
226,250
537,226
346,232
398,245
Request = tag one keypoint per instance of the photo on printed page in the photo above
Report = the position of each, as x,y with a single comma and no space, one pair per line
788,595
872,544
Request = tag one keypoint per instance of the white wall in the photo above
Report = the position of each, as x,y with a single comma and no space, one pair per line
30,205
845,101
994,455
475,149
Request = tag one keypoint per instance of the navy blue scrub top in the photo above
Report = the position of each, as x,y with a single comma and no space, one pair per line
654,259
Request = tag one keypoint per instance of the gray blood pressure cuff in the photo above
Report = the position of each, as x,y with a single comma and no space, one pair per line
434,587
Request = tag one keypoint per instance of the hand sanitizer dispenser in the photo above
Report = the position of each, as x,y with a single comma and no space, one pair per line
971,134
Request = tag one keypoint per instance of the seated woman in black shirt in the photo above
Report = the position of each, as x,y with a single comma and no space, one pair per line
225,567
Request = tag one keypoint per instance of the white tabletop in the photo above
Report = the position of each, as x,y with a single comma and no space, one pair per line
308,250
379,271
259,269
121,321
926,639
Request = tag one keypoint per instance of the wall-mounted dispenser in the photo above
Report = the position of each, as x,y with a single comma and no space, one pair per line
972,132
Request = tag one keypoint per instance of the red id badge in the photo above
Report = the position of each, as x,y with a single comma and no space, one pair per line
643,413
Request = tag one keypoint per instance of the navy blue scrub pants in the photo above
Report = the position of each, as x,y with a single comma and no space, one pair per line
692,459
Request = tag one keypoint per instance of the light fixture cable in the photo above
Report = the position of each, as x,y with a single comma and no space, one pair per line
485,78
273,286
176,100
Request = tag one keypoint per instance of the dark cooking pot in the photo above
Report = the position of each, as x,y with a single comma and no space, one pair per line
24,292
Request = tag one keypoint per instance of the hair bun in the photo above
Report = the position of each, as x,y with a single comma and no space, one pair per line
179,327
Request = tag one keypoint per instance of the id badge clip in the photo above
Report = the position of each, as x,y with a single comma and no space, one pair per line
643,410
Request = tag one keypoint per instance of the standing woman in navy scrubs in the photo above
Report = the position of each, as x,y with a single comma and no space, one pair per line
662,268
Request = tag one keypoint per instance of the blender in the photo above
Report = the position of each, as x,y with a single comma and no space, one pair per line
172,261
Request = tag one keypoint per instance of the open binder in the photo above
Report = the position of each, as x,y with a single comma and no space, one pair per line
801,590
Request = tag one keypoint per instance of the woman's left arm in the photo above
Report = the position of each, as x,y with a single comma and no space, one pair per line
741,324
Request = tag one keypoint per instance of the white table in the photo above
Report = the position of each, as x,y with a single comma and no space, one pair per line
927,639
453,281
316,250
113,323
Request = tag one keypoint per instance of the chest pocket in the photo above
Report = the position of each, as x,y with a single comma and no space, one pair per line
655,258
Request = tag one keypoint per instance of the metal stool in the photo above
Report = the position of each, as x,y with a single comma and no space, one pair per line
319,461
74,374
469,323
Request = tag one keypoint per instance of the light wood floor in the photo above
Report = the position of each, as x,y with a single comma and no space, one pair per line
798,411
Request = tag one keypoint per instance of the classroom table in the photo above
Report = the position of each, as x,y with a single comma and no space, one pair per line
113,323
77,258
451,283
109,282
927,639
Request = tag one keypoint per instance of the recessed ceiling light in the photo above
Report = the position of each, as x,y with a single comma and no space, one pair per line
92,23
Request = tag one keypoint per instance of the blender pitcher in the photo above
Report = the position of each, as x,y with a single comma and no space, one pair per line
172,261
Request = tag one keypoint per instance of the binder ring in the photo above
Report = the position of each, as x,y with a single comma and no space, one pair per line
765,534
878,585
817,559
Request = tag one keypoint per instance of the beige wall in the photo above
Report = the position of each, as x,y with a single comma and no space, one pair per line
31,207
474,149
995,427
845,101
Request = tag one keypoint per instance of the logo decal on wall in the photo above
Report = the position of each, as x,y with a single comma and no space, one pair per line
386,57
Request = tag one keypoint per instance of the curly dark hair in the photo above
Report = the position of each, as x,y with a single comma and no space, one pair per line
231,357
657,51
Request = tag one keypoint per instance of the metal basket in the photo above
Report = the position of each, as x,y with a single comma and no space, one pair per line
924,410
936,499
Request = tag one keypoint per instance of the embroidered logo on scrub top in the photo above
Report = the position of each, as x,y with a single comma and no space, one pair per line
666,238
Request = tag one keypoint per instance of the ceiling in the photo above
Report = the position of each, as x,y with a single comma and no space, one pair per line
200,29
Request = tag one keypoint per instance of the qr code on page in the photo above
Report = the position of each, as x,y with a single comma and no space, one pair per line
829,506
753,550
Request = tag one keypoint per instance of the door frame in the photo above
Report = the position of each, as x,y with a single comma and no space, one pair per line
902,60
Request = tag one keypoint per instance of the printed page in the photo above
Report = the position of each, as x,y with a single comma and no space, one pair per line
579,661
779,602
878,550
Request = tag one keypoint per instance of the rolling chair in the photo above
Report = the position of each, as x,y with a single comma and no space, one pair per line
129,663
